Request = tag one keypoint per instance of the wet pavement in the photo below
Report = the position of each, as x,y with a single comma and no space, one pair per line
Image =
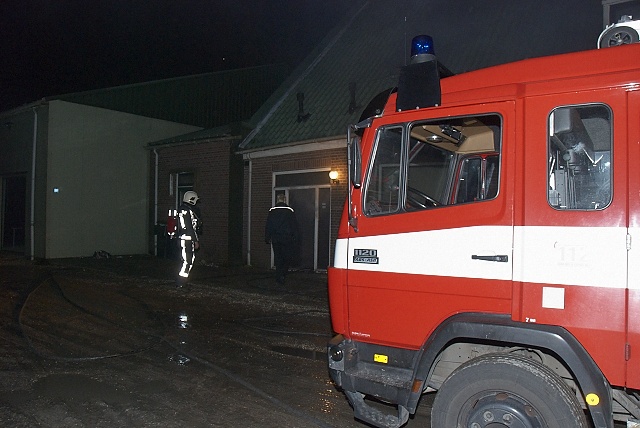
111,342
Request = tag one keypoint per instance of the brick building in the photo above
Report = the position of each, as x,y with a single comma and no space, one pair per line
302,174
206,163
299,135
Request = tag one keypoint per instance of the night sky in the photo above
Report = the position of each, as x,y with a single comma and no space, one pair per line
53,47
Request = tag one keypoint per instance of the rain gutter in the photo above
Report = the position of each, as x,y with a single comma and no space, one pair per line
155,204
33,184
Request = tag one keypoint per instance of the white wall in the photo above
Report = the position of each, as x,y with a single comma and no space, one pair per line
98,162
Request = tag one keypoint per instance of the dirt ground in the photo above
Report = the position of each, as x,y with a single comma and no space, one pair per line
110,342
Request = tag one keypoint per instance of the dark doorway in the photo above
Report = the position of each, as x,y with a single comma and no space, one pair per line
324,227
313,213
303,203
309,194
14,212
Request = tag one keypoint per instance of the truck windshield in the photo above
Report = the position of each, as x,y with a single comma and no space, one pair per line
383,187
423,165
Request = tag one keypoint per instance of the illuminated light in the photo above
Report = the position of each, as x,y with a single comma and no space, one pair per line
56,190
333,175
592,399
422,45
379,358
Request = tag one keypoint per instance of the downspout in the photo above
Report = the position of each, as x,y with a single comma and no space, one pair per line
249,211
33,184
155,205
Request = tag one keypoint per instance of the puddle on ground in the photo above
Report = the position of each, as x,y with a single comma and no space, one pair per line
183,323
79,388
183,320
179,359
299,352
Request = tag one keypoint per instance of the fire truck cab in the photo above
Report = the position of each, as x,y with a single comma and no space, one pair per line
489,247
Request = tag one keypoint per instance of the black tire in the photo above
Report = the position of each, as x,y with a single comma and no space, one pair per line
617,36
505,390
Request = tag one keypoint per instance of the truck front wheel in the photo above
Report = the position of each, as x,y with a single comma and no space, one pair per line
505,390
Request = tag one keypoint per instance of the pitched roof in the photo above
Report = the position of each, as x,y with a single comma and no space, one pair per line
363,56
206,100
233,131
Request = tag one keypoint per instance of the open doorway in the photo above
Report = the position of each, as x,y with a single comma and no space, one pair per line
14,191
309,194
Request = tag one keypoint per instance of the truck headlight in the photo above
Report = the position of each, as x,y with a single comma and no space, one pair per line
336,354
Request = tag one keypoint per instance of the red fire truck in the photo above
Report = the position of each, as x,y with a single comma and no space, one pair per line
489,248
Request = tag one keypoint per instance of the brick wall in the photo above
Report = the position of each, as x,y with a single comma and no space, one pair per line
210,163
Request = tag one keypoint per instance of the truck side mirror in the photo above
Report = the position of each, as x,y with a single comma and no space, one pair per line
354,154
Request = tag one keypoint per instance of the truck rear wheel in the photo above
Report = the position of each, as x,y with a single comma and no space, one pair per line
505,390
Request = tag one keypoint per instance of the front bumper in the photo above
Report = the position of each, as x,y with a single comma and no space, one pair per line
353,367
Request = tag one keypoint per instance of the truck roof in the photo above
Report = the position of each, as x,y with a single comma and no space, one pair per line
598,68
549,68
585,70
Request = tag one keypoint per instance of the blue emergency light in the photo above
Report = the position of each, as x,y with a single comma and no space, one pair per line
421,45
419,81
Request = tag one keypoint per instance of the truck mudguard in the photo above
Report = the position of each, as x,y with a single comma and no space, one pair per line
501,329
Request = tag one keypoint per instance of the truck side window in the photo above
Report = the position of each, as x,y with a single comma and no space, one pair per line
453,161
478,179
383,186
427,164
579,157
427,175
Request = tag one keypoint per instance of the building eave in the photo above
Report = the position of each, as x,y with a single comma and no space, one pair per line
335,142
23,108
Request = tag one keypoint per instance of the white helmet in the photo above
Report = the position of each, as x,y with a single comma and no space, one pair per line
190,197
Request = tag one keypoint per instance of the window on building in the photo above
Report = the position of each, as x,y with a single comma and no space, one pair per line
182,182
579,157
301,179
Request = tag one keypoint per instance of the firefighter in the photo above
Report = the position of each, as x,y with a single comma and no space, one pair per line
188,227
281,231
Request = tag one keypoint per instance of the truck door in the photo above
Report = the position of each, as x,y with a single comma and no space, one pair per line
633,317
570,241
435,226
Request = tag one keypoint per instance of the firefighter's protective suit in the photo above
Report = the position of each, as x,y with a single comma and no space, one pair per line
187,233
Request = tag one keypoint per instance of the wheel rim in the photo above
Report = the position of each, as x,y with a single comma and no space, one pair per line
620,38
499,409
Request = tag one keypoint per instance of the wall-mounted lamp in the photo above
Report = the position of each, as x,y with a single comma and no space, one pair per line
333,175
